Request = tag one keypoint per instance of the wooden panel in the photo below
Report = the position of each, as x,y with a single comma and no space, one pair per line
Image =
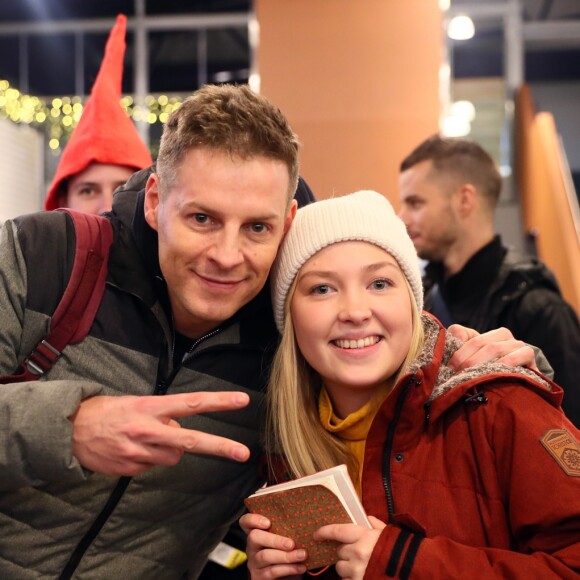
358,82
548,198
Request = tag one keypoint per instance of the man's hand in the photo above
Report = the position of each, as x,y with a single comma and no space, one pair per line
129,435
496,345
270,555
357,546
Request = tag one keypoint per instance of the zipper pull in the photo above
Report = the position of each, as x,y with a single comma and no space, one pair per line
160,388
477,398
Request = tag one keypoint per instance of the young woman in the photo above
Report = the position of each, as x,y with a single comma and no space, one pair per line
468,475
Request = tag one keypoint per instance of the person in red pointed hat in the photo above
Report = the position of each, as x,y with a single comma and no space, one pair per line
104,149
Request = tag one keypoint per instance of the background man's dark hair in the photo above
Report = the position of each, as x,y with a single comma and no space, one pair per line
461,159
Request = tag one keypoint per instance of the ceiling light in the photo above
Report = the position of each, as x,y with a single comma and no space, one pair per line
460,28
464,109
455,126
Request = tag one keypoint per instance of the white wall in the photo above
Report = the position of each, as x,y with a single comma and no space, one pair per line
21,169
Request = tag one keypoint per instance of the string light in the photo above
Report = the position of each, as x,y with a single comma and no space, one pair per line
59,116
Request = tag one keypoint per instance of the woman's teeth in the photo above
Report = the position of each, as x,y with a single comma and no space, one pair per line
360,343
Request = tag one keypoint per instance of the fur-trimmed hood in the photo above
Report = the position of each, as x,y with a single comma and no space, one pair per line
432,363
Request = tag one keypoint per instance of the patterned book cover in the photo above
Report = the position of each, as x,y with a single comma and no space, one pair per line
297,512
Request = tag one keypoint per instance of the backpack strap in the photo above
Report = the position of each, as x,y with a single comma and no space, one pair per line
78,306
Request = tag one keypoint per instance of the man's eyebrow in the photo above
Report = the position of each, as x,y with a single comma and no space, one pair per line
412,197
84,183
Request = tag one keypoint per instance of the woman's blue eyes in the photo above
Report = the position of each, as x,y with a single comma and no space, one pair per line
322,289
380,284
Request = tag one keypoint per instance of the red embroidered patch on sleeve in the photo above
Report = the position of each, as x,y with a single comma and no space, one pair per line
564,448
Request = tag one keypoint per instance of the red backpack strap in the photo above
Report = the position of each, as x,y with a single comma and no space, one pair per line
78,306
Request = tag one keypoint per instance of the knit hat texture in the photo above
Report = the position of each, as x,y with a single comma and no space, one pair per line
104,134
365,216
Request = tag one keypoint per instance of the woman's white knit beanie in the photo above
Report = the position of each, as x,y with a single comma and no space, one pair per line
364,216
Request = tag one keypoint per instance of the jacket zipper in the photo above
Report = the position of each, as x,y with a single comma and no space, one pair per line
190,352
94,530
161,388
388,448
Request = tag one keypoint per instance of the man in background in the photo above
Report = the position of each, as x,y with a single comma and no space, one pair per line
104,149
449,190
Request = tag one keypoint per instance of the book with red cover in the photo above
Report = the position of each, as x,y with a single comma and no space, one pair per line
297,508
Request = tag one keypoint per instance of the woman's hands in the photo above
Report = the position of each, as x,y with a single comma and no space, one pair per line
357,546
270,555
273,556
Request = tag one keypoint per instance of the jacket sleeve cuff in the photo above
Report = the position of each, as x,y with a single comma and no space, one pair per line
394,554
542,362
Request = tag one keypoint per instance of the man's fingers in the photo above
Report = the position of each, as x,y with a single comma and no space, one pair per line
462,332
200,443
186,404
523,356
191,441
511,353
158,455
128,435
146,441
484,348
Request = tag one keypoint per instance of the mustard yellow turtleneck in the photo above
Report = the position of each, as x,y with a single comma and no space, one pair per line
352,430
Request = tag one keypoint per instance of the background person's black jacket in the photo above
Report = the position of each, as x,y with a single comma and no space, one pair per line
502,287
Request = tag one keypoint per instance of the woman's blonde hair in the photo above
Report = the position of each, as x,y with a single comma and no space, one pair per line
295,430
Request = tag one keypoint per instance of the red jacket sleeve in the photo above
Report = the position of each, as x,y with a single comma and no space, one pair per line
535,454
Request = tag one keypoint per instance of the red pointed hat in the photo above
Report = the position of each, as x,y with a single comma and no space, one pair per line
104,134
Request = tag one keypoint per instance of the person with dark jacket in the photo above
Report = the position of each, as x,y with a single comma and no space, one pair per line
121,461
96,477
462,475
449,189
